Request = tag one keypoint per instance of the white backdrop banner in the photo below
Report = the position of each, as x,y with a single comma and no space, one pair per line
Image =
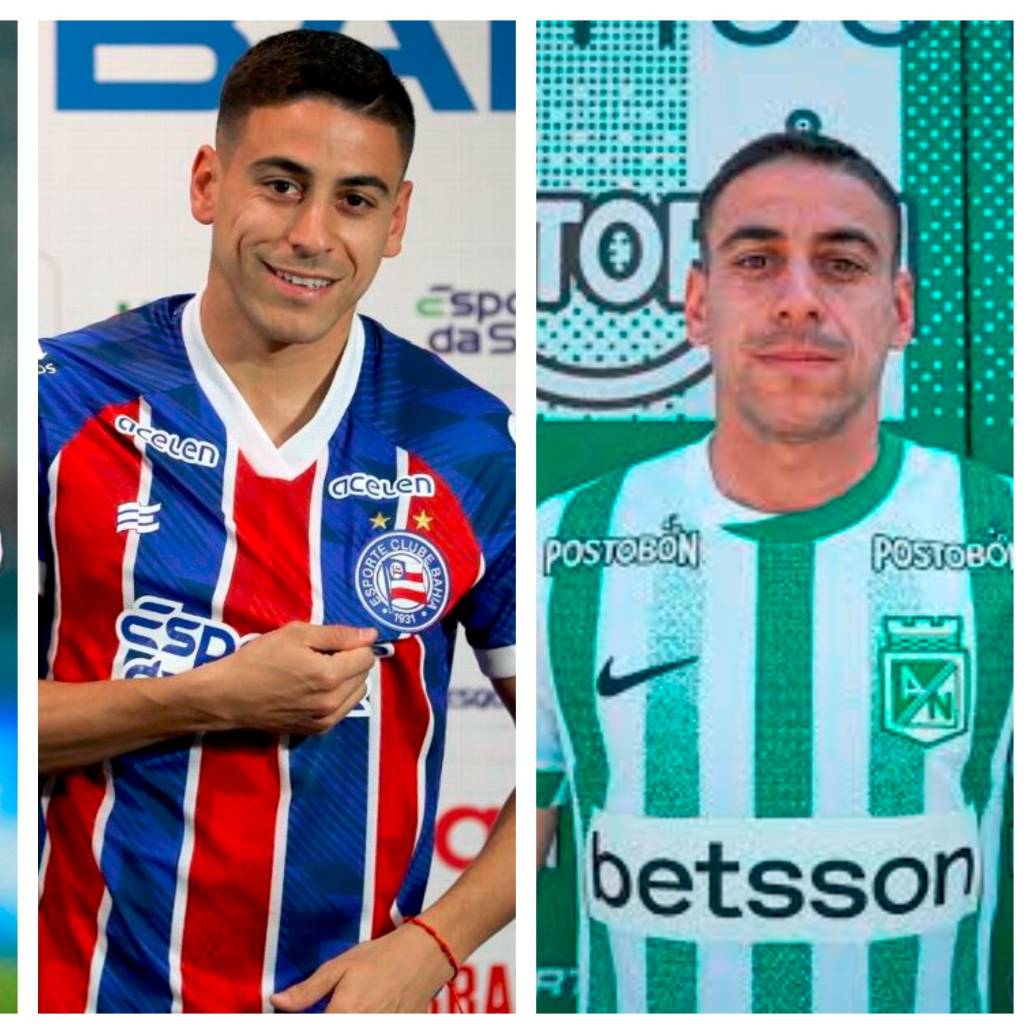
124,107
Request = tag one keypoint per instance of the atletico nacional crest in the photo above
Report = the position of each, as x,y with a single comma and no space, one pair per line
402,580
925,674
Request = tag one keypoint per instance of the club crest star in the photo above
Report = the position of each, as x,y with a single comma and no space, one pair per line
423,520
379,521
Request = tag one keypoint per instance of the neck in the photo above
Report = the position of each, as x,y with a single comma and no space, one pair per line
779,476
283,384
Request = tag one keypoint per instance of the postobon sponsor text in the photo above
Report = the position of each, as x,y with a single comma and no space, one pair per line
904,553
679,547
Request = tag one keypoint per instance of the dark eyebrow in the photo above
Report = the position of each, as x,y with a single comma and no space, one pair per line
838,235
275,163
278,163
365,181
849,235
749,233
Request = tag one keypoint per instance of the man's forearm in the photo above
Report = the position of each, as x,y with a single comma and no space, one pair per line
84,722
300,679
483,899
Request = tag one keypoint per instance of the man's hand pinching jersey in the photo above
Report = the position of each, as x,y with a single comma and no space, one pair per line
300,679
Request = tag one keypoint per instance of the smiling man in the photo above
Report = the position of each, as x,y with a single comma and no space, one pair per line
774,669
266,517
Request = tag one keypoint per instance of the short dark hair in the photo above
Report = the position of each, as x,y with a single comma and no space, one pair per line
309,63
808,147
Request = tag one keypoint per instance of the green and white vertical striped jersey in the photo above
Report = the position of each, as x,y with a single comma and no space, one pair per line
786,738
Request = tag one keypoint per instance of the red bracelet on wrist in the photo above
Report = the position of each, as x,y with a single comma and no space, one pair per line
444,948
438,939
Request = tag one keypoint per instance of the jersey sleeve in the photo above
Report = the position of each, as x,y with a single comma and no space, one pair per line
60,409
43,460
551,788
65,404
52,401
72,387
489,617
488,612
1001,954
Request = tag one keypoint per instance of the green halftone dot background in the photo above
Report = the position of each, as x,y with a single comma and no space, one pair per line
932,163
989,129
612,115
958,172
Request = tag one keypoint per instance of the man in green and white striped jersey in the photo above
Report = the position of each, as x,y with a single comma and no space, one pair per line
775,666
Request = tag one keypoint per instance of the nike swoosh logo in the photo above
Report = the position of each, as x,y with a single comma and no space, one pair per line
608,685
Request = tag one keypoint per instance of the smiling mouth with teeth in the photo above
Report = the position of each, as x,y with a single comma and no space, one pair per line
311,282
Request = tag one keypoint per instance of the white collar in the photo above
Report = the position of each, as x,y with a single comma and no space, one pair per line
714,507
301,450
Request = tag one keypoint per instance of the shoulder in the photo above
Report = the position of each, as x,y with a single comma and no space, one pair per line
938,479
122,337
924,464
551,511
398,367
422,404
109,363
132,351
673,478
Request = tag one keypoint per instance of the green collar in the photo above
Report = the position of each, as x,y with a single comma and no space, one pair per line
839,513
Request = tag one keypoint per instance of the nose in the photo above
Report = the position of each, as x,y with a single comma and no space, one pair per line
309,233
798,300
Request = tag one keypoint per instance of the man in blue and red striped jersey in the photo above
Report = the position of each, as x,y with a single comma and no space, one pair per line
265,519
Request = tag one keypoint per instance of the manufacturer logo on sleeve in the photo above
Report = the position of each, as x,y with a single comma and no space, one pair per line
139,517
924,668
402,580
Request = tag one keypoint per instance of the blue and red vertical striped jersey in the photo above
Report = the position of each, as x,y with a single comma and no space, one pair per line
206,872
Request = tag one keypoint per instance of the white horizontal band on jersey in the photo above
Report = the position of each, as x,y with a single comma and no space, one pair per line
755,880
498,663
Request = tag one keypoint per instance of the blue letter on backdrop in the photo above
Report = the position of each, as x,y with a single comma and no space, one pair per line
77,86
420,55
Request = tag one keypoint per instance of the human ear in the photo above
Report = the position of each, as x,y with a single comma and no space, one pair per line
204,178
